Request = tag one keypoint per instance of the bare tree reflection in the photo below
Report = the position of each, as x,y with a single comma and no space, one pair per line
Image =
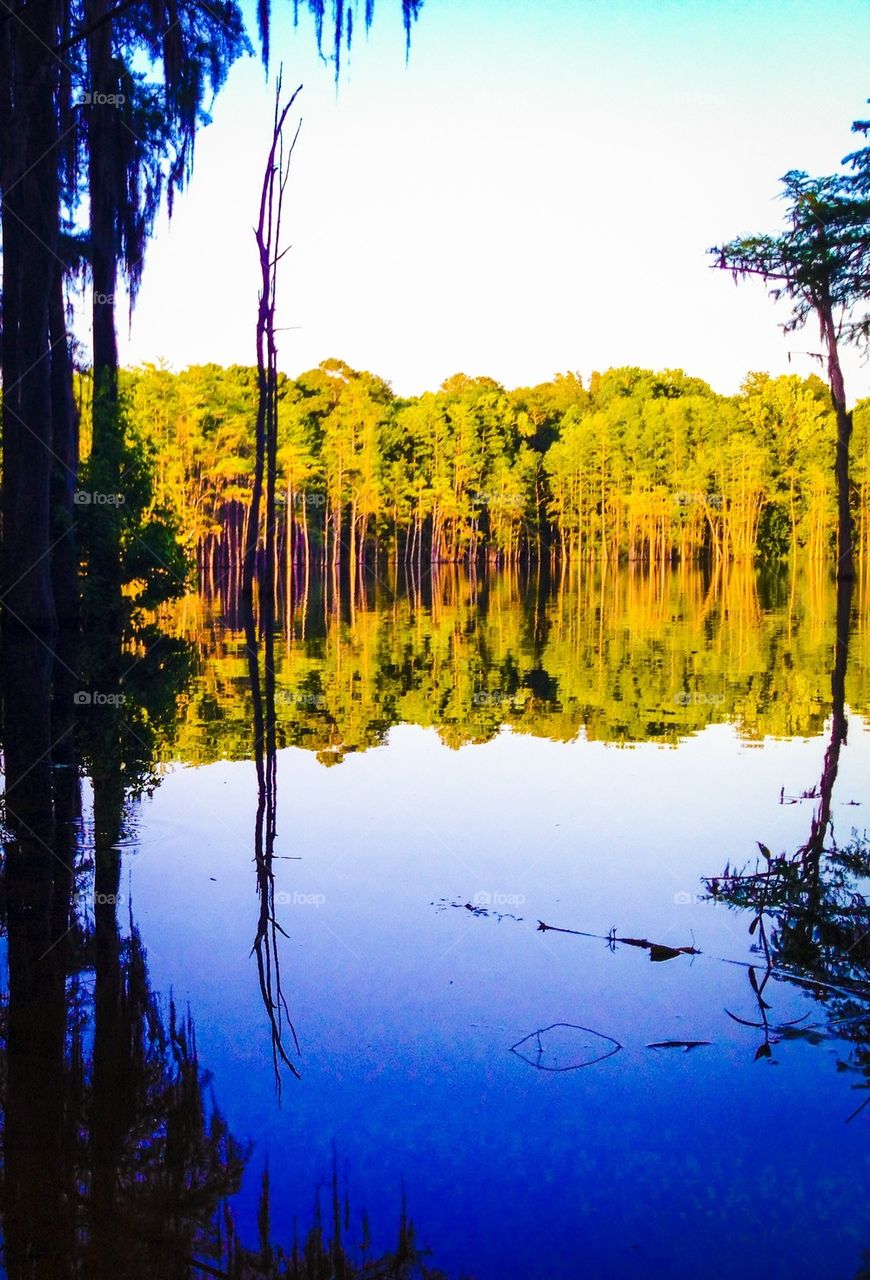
265,758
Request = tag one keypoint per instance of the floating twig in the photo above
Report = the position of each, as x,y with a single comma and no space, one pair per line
678,1044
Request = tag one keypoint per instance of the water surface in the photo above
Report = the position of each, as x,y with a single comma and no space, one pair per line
457,763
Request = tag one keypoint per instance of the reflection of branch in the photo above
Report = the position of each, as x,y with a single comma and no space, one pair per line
265,755
857,1110
764,1049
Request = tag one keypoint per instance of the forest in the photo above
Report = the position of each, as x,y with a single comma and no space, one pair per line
634,466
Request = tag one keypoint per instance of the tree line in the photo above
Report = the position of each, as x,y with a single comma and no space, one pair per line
634,466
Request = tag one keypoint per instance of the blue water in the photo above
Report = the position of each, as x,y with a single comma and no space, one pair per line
658,1162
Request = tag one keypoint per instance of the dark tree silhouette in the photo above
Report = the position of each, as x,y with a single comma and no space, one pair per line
29,128
139,140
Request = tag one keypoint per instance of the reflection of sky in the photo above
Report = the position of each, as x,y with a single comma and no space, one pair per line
653,1162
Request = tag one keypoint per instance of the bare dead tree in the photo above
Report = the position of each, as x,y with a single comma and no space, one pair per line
268,235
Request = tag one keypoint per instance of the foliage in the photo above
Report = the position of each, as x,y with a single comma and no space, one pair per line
119,515
641,466
820,263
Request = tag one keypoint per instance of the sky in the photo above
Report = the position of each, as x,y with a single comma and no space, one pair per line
534,191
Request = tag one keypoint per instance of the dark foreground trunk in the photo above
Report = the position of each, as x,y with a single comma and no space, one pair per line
30,222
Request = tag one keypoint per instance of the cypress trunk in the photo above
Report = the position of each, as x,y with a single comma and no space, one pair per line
30,228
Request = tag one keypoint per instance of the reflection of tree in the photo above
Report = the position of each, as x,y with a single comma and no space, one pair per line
331,1250
37,1216
624,657
811,923
114,1163
160,1160
266,759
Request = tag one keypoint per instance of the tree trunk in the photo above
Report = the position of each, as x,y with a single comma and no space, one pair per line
65,443
104,566
30,229
845,559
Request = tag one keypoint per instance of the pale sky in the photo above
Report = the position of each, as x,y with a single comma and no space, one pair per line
533,192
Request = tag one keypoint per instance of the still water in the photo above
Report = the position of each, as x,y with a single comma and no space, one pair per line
672,1086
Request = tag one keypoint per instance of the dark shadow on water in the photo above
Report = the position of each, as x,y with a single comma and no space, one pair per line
116,1161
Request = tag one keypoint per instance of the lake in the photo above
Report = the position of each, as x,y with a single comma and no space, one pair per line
329,966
